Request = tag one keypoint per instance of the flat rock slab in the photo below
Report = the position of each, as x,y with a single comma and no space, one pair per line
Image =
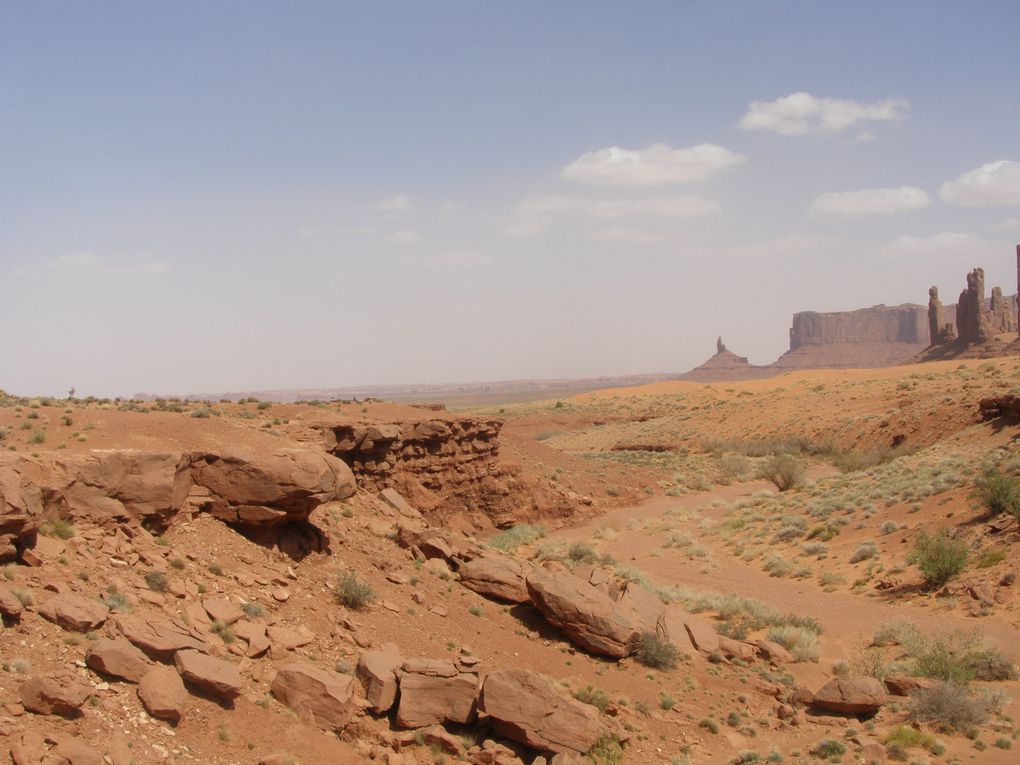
60,695
496,577
73,612
118,657
160,639
321,697
163,694
216,677
530,709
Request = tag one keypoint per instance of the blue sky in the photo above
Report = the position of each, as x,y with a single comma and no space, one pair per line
239,195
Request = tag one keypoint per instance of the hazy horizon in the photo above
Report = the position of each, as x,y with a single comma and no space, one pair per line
202,198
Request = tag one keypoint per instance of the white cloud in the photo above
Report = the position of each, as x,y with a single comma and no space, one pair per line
997,183
944,245
854,204
802,113
656,165
456,259
621,234
399,203
404,236
535,213
90,263
1010,224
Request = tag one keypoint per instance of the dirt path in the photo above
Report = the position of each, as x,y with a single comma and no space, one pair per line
849,619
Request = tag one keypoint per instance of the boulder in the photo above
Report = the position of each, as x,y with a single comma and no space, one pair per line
60,695
904,685
495,577
377,673
163,694
434,691
10,605
118,658
702,635
585,615
530,709
323,698
851,695
159,639
73,612
773,652
215,677
32,748
736,649
641,607
257,488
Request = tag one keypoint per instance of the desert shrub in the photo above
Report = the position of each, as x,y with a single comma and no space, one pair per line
252,609
733,467
594,696
709,724
157,581
830,579
57,527
202,413
896,632
864,551
582,553
776,566
998,492
352,592
990,664
864,459
799,641
904,737
657,652
814,548
512,538
116,600
607,751
990,557
939,557
829,748
745,757
784,471
950,706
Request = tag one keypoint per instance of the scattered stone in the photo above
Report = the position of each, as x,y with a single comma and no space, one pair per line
60,695
377,673
528,708
904,685
163,694
73,612
434,691
216,677
158,638
323,698
222,609
118,657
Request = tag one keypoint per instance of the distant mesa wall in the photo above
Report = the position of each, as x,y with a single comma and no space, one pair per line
880,324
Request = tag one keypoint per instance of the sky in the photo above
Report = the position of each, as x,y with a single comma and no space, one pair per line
213,196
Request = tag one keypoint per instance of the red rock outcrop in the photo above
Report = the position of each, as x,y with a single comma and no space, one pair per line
249,488
443,466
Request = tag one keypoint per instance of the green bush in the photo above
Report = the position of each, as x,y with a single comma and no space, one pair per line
512,538
352,592
784,471
939,557
157,581
607,751
657,652
998,492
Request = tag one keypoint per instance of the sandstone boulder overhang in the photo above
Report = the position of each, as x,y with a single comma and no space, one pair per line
248,487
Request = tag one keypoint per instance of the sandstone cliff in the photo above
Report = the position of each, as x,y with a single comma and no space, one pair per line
444,466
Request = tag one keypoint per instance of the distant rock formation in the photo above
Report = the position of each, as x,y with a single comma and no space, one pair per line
720,346
939,332
878,324
726,365
972,324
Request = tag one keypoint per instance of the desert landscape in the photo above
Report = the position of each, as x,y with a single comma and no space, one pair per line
358,400
817,566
